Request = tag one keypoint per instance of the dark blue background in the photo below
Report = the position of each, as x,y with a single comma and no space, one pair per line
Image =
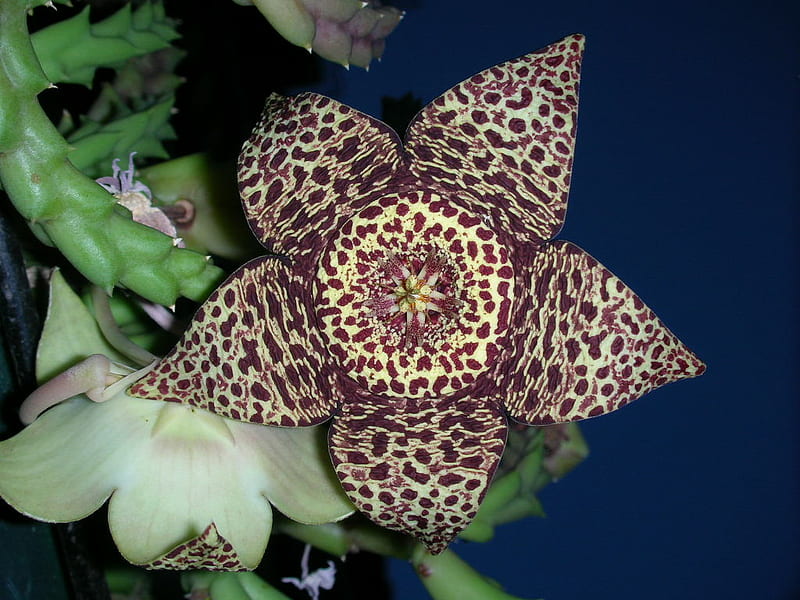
684,185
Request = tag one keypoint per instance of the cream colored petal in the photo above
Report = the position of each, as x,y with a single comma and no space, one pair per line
65,465
190,474
300,479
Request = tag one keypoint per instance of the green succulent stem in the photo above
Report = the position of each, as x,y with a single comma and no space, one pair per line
66,208
231,586
346,536
447,577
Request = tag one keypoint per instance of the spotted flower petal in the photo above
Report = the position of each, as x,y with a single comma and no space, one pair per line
418,465
502,141
252,353
584,343
309,164
209,550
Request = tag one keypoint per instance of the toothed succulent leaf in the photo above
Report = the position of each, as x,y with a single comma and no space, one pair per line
71,50
141,132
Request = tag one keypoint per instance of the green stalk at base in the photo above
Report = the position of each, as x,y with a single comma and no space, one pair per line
447,577
230,586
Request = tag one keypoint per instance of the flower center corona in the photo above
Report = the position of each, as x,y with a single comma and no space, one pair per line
413,296
414,299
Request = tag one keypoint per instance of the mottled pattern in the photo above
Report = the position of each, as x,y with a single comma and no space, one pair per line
506,136
418,466
310,163
251,354
454,350
427,363
584,344
207,551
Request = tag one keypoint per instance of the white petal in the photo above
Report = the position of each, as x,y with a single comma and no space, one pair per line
191,474
301,482
65,464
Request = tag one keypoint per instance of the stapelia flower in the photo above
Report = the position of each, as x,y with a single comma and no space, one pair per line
426,301
188,489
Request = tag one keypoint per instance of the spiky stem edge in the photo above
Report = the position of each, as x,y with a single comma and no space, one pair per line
65,207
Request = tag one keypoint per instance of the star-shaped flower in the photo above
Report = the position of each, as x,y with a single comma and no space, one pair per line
187,489
426,301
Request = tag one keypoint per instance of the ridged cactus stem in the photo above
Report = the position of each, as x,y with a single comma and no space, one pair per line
71,50
65,207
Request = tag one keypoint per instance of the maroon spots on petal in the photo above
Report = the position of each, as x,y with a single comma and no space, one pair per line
525,101
517,125
469,129
536,153
552,170
434,478
505,272
418,476
380,472
594,347
409,494
484,234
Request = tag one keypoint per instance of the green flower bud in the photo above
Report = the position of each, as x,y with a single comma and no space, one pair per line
564,449
348,32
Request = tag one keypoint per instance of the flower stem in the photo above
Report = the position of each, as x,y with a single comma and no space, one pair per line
447,577
112,333
230,586
88,377
352,534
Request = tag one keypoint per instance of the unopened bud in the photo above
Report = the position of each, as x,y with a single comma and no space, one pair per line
564,449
